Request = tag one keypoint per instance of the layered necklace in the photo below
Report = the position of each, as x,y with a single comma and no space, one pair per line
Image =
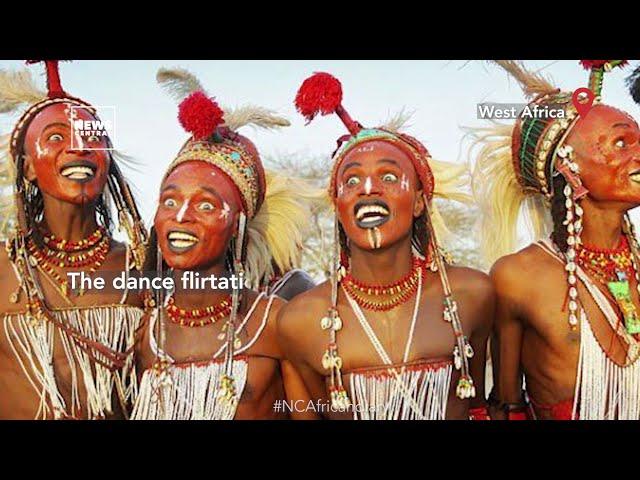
613,268
199,317
88,253
393,295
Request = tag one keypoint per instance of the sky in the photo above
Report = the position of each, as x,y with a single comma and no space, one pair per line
441,94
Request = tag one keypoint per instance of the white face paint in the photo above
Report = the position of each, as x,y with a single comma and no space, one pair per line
372,240
404,183
377,234
340,189
225,210
40,152
367,186
365,148
73,115
182,210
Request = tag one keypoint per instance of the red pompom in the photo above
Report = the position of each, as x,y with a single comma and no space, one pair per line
591,64
54,86
320,93
200,115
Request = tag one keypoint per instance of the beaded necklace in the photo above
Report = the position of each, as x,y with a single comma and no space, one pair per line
613,268
199,317
399,292
63,245
89,252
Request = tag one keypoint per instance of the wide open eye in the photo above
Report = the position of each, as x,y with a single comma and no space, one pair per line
170,203
206,207
55,137
353,181
620,143
389,177
94,139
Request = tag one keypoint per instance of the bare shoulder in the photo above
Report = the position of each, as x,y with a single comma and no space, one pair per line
470,282
512,274
295,317
475,296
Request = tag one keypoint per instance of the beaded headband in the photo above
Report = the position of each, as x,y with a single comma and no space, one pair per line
213,143
537,141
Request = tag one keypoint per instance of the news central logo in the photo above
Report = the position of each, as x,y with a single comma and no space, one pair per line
93,127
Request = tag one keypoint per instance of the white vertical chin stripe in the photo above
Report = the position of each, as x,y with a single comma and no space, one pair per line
182,210
372,241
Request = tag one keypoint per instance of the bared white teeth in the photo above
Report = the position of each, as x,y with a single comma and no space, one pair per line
371,210
182,239
77,172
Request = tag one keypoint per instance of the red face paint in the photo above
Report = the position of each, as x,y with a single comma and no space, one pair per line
606,146
74,175
196,215
378,195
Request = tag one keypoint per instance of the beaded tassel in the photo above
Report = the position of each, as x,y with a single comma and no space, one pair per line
161,363
573,224
462,351
331,360
228,391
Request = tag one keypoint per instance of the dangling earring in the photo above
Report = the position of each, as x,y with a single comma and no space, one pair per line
573,191
331,360
228,391
162,363
462,351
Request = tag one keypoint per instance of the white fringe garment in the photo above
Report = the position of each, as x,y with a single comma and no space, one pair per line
32,342
604,390
410,394
416,392
188,392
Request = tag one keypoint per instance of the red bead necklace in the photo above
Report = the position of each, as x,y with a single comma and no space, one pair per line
198,317
604,264
60,244
399,291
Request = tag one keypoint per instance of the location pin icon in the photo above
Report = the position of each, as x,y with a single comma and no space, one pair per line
583,101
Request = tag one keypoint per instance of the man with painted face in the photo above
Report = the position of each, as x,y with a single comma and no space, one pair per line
63,353
375,340
567,311
212,354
